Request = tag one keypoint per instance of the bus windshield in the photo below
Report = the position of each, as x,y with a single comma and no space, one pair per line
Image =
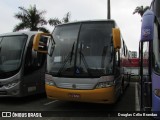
11,48
82,50
156,48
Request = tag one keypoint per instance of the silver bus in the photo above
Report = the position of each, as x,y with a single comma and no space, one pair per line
22,70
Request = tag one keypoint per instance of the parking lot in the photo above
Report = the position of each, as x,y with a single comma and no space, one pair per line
55,109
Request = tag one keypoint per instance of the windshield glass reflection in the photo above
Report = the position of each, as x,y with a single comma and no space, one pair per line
11,49
82,50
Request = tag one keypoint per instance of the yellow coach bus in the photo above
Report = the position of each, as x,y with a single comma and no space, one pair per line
86,64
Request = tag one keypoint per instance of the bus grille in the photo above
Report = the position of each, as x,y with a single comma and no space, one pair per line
75,86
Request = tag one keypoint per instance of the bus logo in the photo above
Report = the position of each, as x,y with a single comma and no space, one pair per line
146,32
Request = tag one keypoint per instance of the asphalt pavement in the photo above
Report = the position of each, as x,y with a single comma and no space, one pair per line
64,110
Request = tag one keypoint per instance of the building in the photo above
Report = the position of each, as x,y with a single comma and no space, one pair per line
133,54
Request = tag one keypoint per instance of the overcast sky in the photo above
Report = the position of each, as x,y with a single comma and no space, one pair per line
121,11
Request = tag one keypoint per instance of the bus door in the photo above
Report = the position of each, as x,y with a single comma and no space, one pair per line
145,76
34,71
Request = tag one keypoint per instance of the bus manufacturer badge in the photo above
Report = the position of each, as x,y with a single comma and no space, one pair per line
77,71
74,86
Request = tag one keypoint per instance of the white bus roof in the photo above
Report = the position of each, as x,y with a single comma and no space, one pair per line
83,21
20,33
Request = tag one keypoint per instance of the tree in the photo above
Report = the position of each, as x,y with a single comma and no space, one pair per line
31,19
56,21
141,10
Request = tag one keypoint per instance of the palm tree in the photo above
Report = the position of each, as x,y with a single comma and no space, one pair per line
31,19
56,21
66,18
141,10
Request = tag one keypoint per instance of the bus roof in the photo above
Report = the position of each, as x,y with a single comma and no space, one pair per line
85,21
30,33
155,6
147,26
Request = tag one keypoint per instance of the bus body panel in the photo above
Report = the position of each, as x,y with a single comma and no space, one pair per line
155,85
83,87
103,95
11,91
84,84
146,38
33,83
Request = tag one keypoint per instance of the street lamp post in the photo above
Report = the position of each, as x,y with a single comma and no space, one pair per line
109,10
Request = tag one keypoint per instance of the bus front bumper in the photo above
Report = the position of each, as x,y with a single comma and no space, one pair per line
101,95
10,92
156,105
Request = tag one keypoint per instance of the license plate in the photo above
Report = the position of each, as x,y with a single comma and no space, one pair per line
73,95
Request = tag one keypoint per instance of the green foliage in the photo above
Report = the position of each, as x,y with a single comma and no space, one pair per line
56,21
141,10
34,19
31,19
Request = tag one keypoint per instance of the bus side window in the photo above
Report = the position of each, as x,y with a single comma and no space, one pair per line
156,48
145,58
118,58
117,63
32,64
159,36
124,48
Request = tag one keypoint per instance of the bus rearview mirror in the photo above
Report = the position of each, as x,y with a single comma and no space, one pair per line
44,43
116,38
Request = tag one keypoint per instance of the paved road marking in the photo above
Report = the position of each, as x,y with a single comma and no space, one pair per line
137,108
51,102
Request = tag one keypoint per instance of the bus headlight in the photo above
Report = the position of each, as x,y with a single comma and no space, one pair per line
105,84
157,92
11,84
50,82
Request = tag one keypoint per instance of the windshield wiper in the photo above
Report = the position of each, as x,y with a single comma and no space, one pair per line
90,71
84,61
70,56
